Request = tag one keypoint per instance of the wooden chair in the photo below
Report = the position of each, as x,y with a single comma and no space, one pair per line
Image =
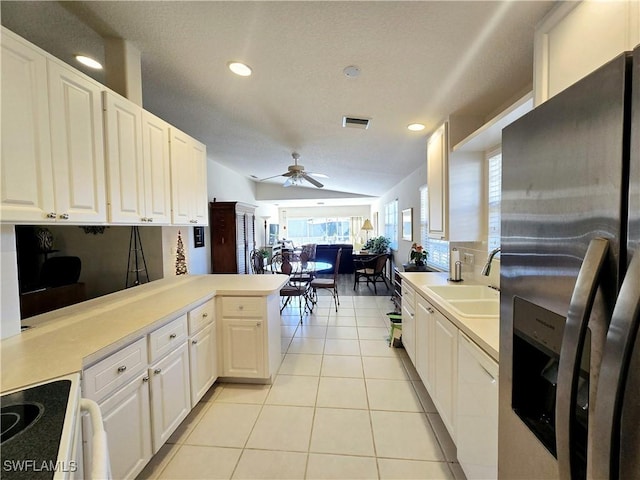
328,283
372,270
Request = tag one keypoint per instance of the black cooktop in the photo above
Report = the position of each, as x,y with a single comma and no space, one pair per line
32,422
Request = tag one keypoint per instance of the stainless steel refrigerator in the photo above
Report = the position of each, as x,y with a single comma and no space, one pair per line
570,282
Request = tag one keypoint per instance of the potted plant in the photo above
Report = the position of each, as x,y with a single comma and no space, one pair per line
377,245
418,255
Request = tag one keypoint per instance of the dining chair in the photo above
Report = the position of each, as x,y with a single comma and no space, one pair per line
328,283
372,270
257,261
297,287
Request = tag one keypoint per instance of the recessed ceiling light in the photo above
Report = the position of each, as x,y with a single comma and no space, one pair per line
416,127
89,62
240,69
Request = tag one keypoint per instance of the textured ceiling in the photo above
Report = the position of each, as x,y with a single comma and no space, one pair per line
420,61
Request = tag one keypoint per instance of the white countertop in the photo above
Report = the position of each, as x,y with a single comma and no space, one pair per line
483,331
66,340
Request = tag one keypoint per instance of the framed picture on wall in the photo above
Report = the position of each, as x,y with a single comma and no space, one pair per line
198,237
407,226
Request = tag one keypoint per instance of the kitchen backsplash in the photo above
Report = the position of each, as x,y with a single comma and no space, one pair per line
479,253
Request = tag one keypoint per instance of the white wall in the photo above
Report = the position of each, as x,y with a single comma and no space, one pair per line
10,303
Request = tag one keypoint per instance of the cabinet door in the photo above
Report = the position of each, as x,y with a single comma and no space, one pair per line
408,322
127,423
425,324
199,183
170,394
438,182
123,150
243,348
477,437
26,170
446,370
181,195
75,105
202,361
157,169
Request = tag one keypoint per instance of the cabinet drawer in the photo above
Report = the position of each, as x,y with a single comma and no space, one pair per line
242,307
167,338
114,371
408,297
200,316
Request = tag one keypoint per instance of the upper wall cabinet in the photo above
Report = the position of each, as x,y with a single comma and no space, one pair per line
188,180
52,144
578,37
138,168
454,181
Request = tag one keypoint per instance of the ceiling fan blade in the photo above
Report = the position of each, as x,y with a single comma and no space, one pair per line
317,175
288,174
312,180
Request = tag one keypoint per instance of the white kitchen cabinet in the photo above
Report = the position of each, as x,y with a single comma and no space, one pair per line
425,328
127,421
170,394
138,168
52,140
26,165
188,180
203,350
408,321
445,380
477,421
250,330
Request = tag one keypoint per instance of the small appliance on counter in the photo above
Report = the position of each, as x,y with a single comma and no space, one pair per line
41,432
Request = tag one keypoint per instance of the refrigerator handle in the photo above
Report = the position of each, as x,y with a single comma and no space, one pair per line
621,337
571,352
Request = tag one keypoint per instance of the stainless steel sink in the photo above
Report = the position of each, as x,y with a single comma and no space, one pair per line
465,292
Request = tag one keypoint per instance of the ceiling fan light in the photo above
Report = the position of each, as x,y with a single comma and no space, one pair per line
240,69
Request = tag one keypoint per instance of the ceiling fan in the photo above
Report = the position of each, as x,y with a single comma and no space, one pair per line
296,174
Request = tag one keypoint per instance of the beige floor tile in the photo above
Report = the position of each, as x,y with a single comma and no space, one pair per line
288,331
196,462
311,331
340,467
293,390
392,469
377,348
160,460
371,321
269,464
188,424
323,308
282,428
346,309
284,344
393,395
405,435
344,321
317,319
408,365
373,333
225,425
341,366
442,434
289,318
425,399
338,346
390,368
243,393
342,431
347,333
342,393
213,392
306,345
301,364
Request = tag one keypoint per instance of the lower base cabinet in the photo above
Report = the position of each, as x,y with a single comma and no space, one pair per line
203,362
127,417
170,394
446,371
243,348
477,440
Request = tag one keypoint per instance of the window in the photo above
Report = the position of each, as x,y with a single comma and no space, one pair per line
494,182
391,223
320,230
438,249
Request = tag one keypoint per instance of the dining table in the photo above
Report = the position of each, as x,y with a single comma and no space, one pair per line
298,267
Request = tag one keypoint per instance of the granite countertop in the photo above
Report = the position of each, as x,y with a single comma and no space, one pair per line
485,332
67,340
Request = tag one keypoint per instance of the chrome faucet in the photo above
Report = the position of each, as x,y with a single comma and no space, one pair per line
487,266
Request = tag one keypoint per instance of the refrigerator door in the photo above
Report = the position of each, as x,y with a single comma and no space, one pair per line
563,170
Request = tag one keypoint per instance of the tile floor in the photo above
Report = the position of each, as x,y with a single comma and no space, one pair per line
343,406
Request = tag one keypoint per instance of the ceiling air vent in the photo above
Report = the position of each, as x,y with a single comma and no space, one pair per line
354,122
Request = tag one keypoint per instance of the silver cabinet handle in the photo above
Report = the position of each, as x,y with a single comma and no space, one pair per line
145,379
64,216
157,371
258,324
570,352
122,368
194,342
150,219
430,310
205,315
172,336
493,379
144,219
51,215
613,378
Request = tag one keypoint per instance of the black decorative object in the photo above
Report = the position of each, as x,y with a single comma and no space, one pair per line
94,229
198,237
136,264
